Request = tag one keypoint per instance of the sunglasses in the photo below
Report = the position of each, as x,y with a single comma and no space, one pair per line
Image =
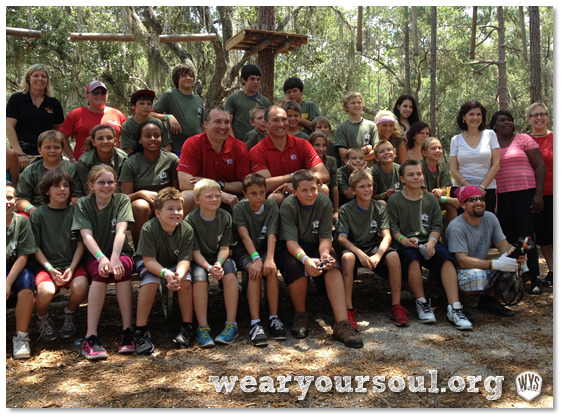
96,92
476,198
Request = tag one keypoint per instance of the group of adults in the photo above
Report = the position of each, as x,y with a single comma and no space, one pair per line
514,170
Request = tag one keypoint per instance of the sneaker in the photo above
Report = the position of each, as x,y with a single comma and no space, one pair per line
351,318
277,329
536,286
300,325
21,346
143,344
185,336
257,335
425,314
489,304
127,344
344,332
92,348
203,337
399,314
548,279
227,336
457,317
67,330
47,330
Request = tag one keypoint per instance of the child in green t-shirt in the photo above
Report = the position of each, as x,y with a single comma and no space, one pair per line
320,142
257,120
19,278
386,179
306,227
416,224
59,252
322,124
294,90
102,219
166,250
354,159
256,219
293,110
364,235
211,248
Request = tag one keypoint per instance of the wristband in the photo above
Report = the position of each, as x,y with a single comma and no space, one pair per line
221,261
28,207
292,175
443,199
99,255
432,238
304,259
492,265
209,268
163,273
299,255
167,117
463,180
401,236
47,266
382,196
481,187
255,257
21,154
73,160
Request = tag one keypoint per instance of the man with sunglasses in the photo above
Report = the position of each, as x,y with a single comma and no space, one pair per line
468,237
80,122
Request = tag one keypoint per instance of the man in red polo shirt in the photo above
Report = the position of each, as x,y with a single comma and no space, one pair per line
278,155
216,155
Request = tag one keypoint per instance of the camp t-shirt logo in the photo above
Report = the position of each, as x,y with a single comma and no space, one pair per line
425,220
219,237
113,224
73,236
14,247
367,138
177,252
374,227
315,226
397,185
163,176
263,233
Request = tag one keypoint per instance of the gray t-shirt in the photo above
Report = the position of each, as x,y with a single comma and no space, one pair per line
474,240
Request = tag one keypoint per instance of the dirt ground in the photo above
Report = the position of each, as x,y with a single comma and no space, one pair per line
58,376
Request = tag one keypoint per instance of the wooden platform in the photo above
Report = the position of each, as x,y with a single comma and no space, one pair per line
254,40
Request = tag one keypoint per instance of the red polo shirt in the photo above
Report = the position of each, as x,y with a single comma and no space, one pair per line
297,154
199,159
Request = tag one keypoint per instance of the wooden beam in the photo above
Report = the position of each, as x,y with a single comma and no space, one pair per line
283,48
24,33
115,37
189,37
255,49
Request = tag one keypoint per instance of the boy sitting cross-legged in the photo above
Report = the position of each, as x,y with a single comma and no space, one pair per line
364,235
256,220
306,227
211,248
166,248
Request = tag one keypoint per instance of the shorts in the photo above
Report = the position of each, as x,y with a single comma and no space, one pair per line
292,269
200,274
43,276
434,264
544,228
92,268
148,277
24,281
473,279
381,268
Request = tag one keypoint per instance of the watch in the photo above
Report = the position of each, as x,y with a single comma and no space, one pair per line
222,185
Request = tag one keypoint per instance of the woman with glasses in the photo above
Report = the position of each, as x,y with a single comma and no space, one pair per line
79,122
31,112
537,116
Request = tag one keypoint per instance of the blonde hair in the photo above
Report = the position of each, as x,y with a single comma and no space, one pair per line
388,113
97,171
205,184
533,106
351,95
167,194
25,79
359,175
380,144
53,135
426,143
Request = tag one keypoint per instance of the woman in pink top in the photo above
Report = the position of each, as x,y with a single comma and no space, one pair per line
537,116
520,183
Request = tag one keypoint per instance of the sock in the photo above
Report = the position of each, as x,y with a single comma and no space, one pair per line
273,317
254,322
232,322
421,300
45,317
187,325
141,329
22,335
67,311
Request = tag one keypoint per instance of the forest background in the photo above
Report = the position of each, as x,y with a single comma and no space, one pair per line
383,53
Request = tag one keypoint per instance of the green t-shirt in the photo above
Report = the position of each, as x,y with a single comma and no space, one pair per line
28,184
239,105
130,130
306,225
150,175
210,235
396,141
252,138
103,222
353,220
259,226
349,134
382,181
187,109
332,167
414,218
438,178
90,159
169,250
19,239
52,230
343,175
309,110
301,134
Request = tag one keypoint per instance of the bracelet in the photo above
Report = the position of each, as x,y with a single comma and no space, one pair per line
255,257
304,259
47,266
299,255
463,180
292,175
21,154
221,261
432,238
400,238
167,117
481,187
209,268
382,196
163,273
443,199
73,160
99,255
28,207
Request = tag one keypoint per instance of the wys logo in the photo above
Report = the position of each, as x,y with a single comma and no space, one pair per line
528,384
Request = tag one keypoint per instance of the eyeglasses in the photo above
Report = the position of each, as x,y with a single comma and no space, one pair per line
96,92
537,115
104,183
476,198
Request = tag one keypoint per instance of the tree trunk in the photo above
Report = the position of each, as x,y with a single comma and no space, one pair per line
502,66
433,73
473,32
535,57
407,69
415,30
523,33
266,57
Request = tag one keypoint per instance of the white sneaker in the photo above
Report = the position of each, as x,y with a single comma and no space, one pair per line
21,346
425,314
456,316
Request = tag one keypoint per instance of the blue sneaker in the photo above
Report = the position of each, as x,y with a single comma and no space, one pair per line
204,338
228,335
